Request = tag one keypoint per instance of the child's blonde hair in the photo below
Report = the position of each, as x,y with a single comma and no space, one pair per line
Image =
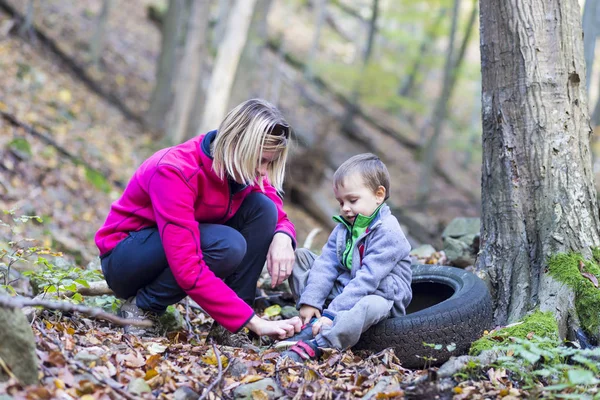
371,169
251,128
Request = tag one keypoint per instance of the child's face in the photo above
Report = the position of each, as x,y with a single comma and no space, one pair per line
356,198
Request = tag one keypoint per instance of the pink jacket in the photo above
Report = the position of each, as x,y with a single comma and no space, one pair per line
175,189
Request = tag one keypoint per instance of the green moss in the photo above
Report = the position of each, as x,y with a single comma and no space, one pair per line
565,268
540,323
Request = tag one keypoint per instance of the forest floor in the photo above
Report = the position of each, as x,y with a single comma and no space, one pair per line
65,150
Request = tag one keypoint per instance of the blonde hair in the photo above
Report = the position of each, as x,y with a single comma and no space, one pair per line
251,128
371,169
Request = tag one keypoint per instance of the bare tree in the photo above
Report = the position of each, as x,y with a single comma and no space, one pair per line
97,40
162,96
226,64
320,14
590,35
354,98
538,193
221,23
188,73
409,83
251,78
27,26
441,108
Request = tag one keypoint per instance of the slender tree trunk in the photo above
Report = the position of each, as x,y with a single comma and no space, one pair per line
408,87
320,13
162,96
188,75
27,27
251,77
590,34
441,109
354,97
97,42
221,25
226,64
538,193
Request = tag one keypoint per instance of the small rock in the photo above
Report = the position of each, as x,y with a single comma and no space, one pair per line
288,312
86,358
423,251
185,393
462,226
138,386
237,368
268,385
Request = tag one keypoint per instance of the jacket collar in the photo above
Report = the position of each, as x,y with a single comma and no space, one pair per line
205,146
362,222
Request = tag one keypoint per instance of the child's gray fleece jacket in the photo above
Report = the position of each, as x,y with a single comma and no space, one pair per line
384,271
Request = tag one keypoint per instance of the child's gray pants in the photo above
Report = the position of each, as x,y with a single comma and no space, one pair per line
348,325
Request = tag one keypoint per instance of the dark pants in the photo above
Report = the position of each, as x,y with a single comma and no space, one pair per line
235,252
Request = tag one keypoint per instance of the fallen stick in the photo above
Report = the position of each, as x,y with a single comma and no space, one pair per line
20,302
97,288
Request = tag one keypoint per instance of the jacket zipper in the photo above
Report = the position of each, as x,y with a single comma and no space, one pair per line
358,239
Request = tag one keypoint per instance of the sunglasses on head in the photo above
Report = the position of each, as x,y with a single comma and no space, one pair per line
281,130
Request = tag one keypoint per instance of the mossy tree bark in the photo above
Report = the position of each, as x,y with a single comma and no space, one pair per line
538,194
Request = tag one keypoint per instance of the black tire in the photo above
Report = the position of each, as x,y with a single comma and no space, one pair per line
449,305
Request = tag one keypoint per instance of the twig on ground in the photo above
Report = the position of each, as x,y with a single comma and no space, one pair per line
219,376
20,302
108,381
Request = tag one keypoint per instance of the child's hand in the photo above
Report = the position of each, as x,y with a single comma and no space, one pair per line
323,321
308,312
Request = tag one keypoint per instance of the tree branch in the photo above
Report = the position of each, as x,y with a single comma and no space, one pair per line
20,302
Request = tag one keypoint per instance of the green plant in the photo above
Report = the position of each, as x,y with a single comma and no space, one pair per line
429,360
60,280
17,251
551,372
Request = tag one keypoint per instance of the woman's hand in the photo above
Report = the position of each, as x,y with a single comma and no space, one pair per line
308,312
323,321
280,258
275,329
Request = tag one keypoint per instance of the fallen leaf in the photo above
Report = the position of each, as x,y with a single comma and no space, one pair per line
153,361
65,96
251,378
259,395
591,277
273,310
151,373
156,348
530,335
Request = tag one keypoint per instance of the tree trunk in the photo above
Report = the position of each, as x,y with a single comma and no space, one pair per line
226,64
320,13
162,96
590,34
190,67
354,97
27,26
221,24
252,78
97,42
538,194
408,87
441,108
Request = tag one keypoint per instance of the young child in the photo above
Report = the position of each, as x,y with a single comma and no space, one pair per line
363,275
